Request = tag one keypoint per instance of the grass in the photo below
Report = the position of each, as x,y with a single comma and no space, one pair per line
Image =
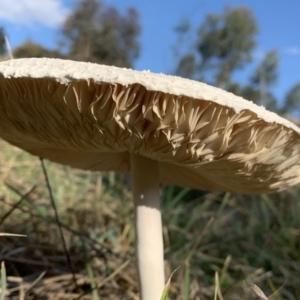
225,246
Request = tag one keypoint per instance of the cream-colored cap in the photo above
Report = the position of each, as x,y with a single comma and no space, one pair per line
91,116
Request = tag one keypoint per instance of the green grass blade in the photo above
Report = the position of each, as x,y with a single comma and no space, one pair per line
3,280
166,290
216,293
217,288
187,281
92,281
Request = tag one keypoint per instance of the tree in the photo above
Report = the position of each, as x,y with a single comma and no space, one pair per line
187,66
259,88
225,43
2,42
32,49
267,70
292,101
264,78
98,33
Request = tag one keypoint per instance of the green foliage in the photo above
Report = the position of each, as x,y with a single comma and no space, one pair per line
225,43
259,90
292,101
93,32
252,231
263,79
187,66
98,33
253,239
32,49
267,72
2,42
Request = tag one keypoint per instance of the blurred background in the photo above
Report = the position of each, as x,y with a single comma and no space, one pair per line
250,48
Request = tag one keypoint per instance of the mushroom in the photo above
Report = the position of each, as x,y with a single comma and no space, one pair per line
162,129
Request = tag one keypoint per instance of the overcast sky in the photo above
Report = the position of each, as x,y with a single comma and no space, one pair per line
278,20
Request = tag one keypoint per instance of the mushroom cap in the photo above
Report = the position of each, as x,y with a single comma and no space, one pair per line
92,117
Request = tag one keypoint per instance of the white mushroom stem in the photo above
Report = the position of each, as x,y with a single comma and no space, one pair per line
149,240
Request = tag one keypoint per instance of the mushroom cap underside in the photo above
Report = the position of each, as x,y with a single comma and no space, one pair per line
92,117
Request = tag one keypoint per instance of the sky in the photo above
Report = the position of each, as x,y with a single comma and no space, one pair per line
278,21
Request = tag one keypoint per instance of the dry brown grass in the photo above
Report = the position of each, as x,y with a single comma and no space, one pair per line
256,241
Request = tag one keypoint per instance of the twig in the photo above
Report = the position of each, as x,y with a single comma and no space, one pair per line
16,205
58,221
91,241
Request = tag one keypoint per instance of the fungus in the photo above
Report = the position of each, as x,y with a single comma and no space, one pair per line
162,129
